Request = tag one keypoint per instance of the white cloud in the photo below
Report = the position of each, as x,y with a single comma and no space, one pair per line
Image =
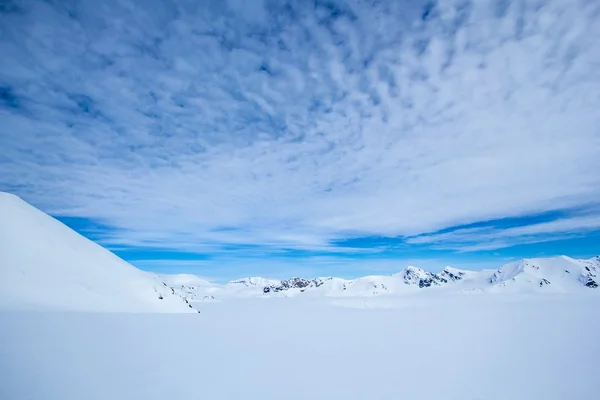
490,238
187,125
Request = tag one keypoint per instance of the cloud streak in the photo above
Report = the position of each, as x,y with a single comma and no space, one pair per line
199,125
490,238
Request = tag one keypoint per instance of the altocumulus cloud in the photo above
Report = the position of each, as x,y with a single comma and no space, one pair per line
293,125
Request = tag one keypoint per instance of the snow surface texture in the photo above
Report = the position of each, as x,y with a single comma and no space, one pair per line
44,265
546,275
431,345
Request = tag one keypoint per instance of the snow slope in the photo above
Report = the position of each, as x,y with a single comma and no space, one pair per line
44,265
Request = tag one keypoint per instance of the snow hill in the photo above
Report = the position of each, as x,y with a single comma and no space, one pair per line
564,271
556,274
44,265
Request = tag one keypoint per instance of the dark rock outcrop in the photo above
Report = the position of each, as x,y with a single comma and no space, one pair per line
591,283
295,283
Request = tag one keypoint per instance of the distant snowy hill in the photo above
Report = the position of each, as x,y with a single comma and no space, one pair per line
44,265
556,274
564,272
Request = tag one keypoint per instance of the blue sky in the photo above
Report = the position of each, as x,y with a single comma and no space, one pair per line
279,138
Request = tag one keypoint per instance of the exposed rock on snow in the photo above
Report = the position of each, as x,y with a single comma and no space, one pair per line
591,283
422,278
544,282
452,274
295,283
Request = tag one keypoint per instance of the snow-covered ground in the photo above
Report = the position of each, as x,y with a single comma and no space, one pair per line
484,347
528,330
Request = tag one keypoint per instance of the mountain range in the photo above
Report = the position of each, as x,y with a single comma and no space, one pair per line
560,274
45,265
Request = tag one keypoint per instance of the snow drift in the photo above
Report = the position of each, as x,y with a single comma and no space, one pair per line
45,265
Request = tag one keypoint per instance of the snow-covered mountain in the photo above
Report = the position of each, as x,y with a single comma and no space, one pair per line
556,274
45,265
566,272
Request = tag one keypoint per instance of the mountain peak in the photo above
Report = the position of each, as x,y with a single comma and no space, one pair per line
453,274
418,276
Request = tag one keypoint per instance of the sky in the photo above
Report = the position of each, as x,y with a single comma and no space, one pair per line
235,138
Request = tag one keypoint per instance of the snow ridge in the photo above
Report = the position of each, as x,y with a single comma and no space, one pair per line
45,265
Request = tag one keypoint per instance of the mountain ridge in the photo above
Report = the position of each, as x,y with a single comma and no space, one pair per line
554,274
46,265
